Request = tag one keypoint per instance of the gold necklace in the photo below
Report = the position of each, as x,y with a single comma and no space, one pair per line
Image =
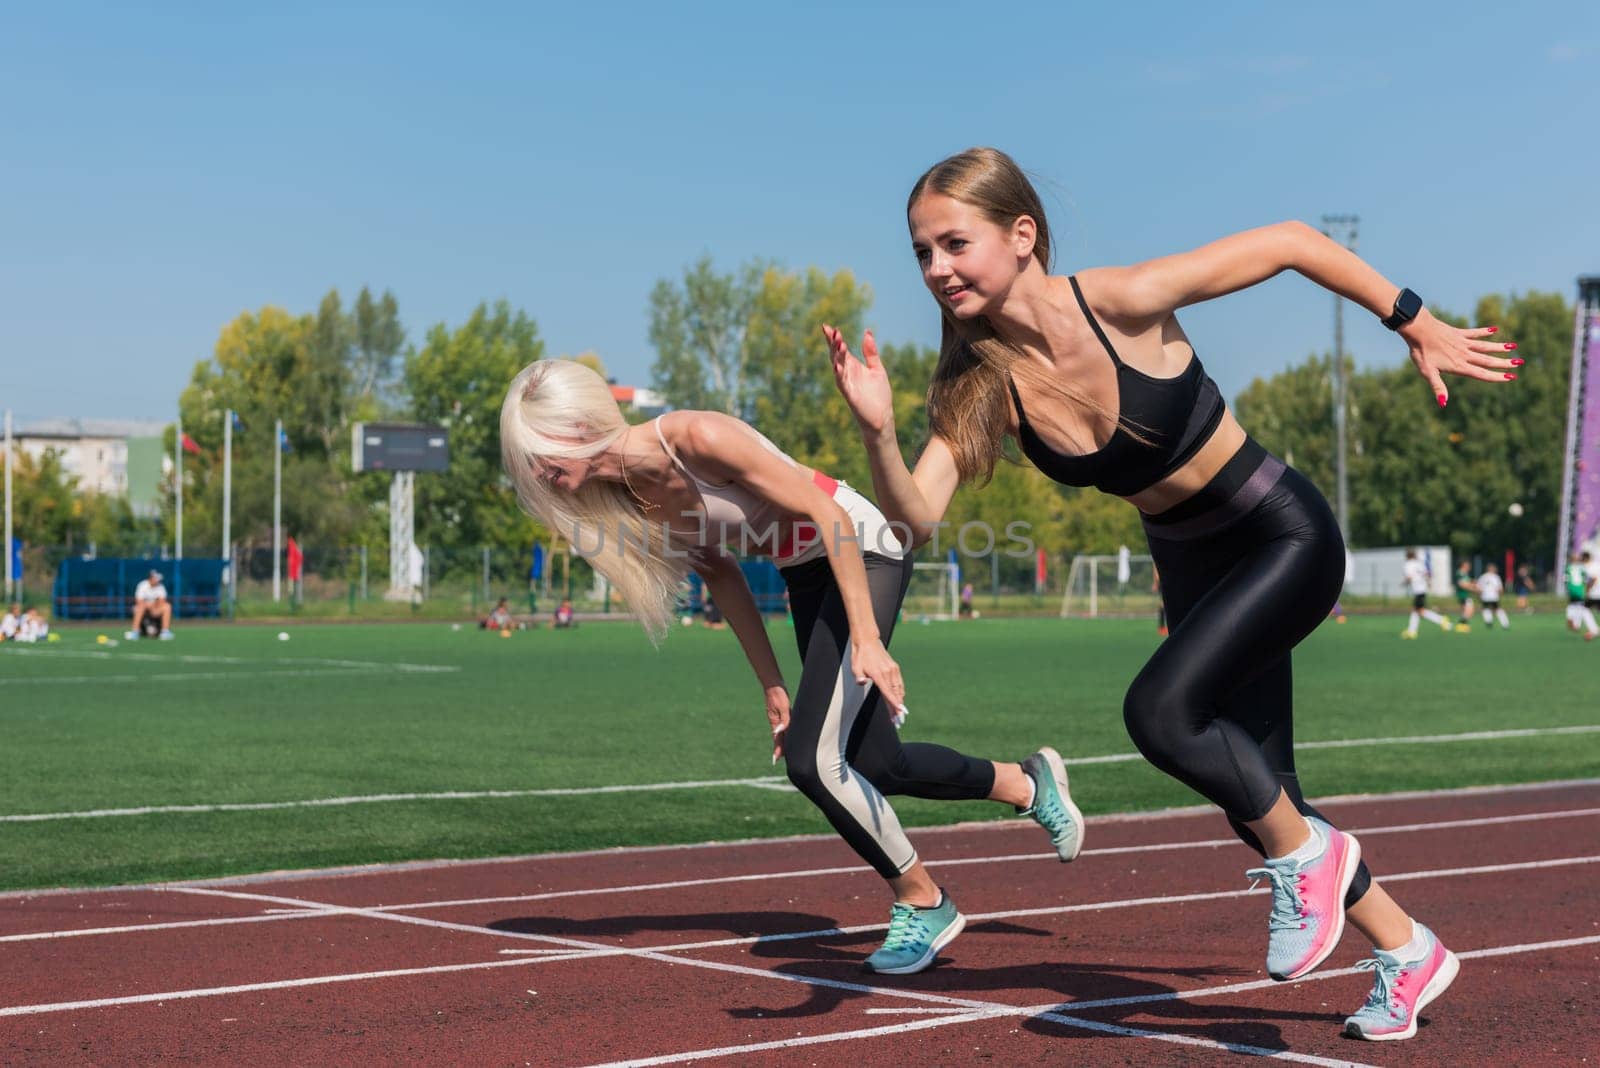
622,458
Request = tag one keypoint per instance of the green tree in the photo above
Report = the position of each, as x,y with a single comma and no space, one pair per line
698,330
458,380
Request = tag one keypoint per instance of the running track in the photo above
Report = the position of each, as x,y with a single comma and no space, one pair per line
1146,950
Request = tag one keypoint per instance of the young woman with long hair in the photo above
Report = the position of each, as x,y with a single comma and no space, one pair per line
647,503
1097,383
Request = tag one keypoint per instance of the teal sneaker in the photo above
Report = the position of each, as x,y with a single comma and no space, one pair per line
1401,990
1052,806
916,936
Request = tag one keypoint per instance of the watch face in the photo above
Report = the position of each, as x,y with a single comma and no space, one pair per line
1408,305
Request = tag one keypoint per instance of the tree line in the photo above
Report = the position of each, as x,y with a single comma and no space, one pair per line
747,342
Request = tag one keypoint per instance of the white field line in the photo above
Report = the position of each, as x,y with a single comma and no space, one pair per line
576,949
203,676
1154,847
761,782
314,661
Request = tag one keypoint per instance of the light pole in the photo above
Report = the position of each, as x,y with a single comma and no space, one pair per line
1346,226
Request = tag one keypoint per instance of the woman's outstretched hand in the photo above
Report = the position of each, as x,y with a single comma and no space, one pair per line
1437,348
865,385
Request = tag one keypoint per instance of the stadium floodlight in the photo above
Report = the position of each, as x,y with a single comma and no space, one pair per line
403,448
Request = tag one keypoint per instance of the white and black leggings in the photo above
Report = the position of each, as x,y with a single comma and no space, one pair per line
842,751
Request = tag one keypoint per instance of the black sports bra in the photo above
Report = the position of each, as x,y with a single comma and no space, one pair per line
1176,415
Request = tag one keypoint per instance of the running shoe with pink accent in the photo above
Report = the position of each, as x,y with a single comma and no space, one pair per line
1307,918
1401,990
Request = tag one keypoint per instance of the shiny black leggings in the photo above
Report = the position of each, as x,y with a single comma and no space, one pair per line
1246,573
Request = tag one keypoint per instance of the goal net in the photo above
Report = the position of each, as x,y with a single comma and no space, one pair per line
935,590
1103,586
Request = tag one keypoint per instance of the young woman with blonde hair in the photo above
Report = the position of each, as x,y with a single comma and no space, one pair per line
647,503
1094,378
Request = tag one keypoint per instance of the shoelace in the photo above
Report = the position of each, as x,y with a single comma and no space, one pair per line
1288,913
905,926
1385,978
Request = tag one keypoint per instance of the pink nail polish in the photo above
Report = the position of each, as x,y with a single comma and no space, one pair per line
1509,377
1510,345
1441,400
1518,362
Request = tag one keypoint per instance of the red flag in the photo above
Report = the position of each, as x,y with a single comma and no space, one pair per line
190,446
296,560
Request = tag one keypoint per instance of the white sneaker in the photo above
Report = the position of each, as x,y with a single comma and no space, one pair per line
131,635
166,635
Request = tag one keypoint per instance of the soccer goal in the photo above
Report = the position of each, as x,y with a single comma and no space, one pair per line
935,590
1102,585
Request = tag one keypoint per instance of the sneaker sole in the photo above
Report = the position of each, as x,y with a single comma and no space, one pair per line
1058,771
1347,874
1437,985
944,938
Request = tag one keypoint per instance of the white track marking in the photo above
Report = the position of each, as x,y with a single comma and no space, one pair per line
221,921
970,1017
1091,906
982,1010
294,913
760,782
363,799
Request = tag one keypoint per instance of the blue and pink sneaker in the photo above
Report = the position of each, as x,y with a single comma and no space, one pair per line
1401,990
1307,918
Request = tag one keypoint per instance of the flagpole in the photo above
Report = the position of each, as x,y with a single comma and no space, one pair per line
227,493
277,503
177,453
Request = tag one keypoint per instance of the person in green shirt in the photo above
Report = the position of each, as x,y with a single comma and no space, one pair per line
1464,590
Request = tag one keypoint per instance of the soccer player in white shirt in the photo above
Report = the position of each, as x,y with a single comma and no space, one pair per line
11,623
150,599
1416,580
1490,586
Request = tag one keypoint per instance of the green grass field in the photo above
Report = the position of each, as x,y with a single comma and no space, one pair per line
229,714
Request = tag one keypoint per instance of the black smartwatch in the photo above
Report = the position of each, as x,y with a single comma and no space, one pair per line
1406,306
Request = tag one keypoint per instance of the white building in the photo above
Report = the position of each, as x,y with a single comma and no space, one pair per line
94,451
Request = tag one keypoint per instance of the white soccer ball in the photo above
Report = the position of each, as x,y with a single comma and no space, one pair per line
687,621
1516,508
283,635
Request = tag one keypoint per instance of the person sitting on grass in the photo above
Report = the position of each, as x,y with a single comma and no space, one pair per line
150,603
499,618
564,617
11,623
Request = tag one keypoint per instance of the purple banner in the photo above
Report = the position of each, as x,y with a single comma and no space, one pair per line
1586,475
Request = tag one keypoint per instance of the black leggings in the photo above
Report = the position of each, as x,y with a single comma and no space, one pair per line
841,750
1249,567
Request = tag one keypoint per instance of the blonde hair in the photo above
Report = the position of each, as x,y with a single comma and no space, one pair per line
562,409
967,397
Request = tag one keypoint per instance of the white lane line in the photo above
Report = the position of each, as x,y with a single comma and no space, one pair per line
173,925
1524,817
1154,847
367,799
1059,910
989,1008
760,782
970,1017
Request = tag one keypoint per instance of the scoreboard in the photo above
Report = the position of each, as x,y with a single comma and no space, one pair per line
399,447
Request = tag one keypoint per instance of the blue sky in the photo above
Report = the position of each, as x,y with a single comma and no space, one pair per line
164,167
